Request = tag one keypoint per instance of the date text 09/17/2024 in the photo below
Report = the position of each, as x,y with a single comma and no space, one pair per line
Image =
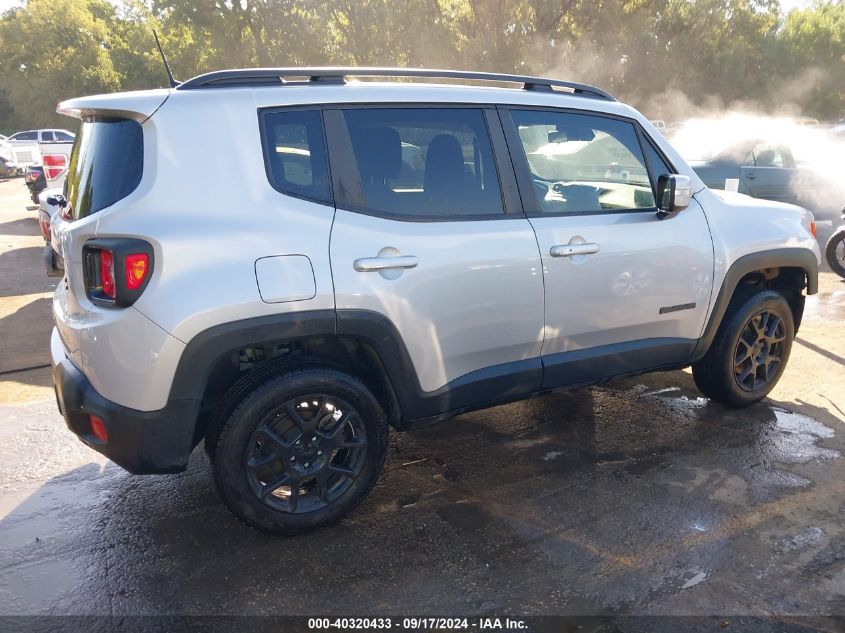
418,624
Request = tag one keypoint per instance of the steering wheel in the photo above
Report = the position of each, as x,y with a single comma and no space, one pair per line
541,188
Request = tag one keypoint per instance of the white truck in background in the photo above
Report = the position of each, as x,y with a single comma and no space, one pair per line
52,161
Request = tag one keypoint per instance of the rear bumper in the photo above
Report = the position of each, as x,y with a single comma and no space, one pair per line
142,442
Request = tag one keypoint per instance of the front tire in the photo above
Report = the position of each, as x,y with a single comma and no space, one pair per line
834,252
750,350
300,451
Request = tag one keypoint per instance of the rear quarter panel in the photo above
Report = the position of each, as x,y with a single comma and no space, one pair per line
207,207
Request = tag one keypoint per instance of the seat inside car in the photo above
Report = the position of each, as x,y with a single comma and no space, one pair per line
378,151
446,182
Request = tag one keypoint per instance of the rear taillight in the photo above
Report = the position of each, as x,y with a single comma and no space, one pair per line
116,270
107,285
44,224
54,165
137,265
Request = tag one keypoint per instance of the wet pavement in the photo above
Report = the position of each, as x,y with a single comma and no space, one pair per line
636,497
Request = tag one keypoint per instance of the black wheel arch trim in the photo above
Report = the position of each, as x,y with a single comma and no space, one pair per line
506,382
209,346
802,258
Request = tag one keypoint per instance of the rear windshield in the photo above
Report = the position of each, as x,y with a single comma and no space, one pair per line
105,165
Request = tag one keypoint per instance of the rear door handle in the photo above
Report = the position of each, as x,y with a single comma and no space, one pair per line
370,264
568,250
750,176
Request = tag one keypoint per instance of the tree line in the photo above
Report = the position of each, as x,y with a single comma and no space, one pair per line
671,58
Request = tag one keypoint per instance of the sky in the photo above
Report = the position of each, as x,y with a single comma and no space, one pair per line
786,4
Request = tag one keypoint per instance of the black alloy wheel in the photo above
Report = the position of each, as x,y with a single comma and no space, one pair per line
759,351
299,449
306,454
750,349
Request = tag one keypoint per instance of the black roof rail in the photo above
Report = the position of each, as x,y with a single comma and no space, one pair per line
329,75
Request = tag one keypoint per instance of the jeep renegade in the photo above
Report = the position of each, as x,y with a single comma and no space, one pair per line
354,255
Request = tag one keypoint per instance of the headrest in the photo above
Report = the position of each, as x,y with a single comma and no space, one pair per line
379,152
444,164
765,158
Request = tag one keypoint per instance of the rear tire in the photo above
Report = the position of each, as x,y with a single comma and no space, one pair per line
750,350
834,252
300,451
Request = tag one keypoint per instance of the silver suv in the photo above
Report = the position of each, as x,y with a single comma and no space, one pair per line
285,263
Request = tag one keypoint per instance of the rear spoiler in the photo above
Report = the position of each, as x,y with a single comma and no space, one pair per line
139,106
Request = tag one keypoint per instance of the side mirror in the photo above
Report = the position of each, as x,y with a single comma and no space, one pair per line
57,201
674,193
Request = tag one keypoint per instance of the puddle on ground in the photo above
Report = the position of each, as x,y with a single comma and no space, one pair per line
796,438
674,399
805,538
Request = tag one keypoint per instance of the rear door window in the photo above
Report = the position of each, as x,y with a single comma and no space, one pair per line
425,162
295,153
106,165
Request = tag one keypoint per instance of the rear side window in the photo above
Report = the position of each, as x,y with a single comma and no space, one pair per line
25,136
295,153
106,165
433,162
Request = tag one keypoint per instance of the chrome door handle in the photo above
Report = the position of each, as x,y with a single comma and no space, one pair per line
370,264
750,176
568,250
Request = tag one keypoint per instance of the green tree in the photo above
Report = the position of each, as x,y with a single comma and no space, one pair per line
709,51
814,46
53,49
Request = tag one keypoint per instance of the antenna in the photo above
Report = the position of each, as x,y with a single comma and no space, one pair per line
173,82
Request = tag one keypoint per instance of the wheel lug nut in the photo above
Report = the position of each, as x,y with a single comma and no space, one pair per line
307,464
293,459
314,439
319,452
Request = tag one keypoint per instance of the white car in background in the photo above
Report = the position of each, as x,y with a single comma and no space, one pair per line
33,137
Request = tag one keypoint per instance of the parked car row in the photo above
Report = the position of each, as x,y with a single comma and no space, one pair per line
40,156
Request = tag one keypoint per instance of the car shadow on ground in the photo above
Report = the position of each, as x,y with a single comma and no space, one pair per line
24,272
613,499
23,226
25,336
818,350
